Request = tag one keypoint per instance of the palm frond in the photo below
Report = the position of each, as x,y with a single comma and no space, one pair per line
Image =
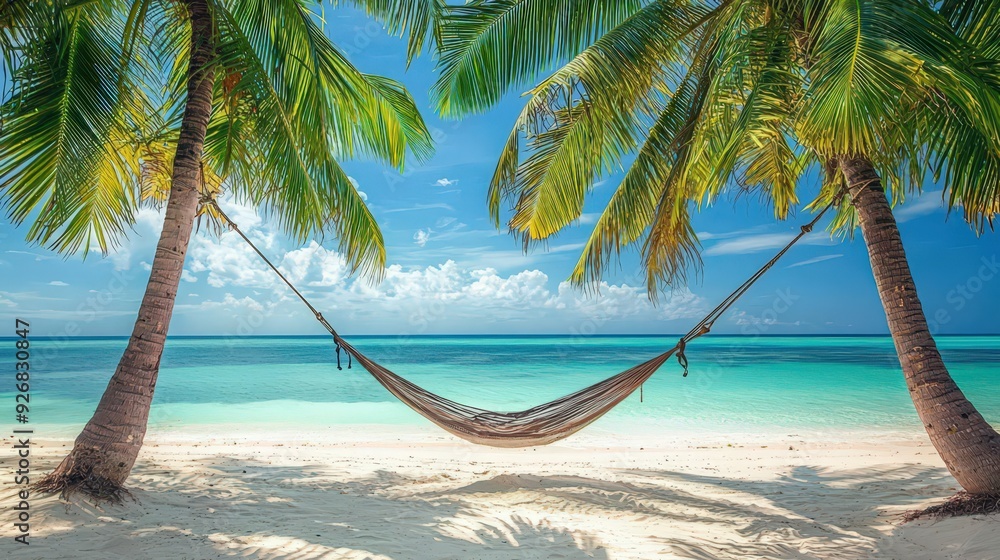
746,134
420,18
856,82
631,209
490,46
583,120
975,21
292,106
64,123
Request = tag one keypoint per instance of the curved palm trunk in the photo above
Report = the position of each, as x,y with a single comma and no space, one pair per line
104,453
968,444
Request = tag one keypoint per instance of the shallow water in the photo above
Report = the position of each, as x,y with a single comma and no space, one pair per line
736,384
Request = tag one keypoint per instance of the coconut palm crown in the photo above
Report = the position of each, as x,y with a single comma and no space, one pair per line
92,122
118,102
695,98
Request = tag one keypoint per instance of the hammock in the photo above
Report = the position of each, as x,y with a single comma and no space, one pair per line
540,425
545,423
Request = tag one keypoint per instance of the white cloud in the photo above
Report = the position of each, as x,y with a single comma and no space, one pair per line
449,297
445,222
232,303
316,265
186,275
141,240
4,301
707,235
763,242
228,259
527,288
446,182
619,301
588,218
38,256
230,262
744,318
421,237
566,247
449,294
58,283
927,203
815,260
354,183
417,207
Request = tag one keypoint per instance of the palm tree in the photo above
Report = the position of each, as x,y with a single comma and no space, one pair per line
694,98
117,102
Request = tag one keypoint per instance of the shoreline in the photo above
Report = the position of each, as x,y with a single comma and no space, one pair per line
379,494
620,432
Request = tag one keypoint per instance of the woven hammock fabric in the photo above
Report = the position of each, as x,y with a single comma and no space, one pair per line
539,425
544,423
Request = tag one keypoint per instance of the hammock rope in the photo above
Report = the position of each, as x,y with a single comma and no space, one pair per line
542,424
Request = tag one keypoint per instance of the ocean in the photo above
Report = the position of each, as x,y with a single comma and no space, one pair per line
736,384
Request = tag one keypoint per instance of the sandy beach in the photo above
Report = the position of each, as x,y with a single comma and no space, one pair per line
417,494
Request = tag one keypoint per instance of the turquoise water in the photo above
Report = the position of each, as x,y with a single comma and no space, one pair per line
737,384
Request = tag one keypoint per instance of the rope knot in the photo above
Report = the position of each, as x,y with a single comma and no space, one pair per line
807,228
339,347
681,358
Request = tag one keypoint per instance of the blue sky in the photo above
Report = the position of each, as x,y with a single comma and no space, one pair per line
452,272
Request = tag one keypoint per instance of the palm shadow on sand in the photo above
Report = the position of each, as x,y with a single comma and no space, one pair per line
235,507
244,508
790,517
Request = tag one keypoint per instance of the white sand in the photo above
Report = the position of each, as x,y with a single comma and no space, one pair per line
401,494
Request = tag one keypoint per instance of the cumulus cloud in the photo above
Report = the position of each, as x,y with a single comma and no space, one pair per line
142,239
227,308
58,283
457,292
446,297
446,182
421,237
230,262
354,183
743,318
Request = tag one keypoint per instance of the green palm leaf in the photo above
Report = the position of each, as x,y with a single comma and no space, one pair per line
909,85
421,18
488,47
66,112
292,106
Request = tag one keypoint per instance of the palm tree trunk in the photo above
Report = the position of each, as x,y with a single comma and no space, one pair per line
969,446
104,453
